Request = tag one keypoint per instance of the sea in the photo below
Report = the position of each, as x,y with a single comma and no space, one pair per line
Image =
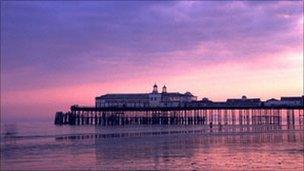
45,146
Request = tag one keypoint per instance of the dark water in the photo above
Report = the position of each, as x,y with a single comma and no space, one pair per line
42,146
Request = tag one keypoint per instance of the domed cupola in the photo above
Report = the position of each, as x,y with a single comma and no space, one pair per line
164,89
155,89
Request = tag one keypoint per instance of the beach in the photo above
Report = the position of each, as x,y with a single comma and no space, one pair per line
48,147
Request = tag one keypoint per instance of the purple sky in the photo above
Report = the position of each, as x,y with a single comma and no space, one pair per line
54,54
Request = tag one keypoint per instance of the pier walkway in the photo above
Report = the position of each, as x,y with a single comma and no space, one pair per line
225,115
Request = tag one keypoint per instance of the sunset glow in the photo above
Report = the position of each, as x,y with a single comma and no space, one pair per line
57,54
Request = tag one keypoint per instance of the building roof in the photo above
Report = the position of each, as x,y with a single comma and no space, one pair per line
176,94
272,100
205,100
125,96
243,100
140,95
292,98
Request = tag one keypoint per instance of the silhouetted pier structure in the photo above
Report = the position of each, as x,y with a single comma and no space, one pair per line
277,115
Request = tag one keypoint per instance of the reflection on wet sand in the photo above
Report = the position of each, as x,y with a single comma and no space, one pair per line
159,147
170,130
185,151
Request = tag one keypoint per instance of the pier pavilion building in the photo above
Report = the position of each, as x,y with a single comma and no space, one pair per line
153,99
285,101
244,101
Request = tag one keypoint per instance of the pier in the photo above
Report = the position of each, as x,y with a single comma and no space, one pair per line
112,116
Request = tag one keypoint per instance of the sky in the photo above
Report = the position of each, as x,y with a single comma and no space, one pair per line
56,54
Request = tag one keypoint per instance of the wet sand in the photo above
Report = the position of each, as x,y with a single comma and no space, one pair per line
149,148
